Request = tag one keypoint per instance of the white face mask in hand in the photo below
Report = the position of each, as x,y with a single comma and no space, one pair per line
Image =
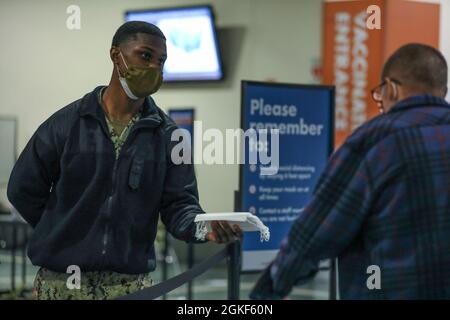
264,231
245,220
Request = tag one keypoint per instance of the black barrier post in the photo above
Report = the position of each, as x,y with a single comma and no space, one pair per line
332,288
190,295
234,259
234,269
165,255
24,255
13,256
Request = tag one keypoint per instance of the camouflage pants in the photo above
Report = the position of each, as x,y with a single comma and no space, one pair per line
49,285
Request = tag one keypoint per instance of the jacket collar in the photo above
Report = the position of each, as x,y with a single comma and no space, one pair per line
420,101
90,106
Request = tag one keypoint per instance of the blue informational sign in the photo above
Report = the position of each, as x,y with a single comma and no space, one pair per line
303,115
184,118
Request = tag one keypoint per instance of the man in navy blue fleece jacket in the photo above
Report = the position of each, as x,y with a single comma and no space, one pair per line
95,177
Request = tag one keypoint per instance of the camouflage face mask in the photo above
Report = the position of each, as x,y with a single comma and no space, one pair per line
140,82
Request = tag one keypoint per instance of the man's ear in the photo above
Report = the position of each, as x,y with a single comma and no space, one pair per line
114,55
392,90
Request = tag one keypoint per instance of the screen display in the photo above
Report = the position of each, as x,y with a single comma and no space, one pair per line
192,49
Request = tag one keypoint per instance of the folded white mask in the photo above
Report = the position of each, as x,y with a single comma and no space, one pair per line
245,220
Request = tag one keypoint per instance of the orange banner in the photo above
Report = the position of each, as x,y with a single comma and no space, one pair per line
354,54
352,61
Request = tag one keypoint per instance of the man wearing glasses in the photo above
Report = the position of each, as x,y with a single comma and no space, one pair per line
382,205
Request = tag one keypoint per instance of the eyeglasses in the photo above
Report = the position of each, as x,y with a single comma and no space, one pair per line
376,92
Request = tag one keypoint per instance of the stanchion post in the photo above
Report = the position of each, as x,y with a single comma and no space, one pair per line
190,265
333,289
13,256
24,255
234,270
165,254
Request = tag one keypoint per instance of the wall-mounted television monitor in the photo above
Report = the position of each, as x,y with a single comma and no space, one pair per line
192,47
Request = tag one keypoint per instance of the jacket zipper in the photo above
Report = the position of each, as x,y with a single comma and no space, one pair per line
109,209
110,198
113,182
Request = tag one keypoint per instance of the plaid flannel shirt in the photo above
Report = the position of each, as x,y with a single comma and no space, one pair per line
383,200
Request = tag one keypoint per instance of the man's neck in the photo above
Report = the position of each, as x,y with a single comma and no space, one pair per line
118,106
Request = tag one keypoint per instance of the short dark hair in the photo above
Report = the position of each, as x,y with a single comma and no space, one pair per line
128,31
418,66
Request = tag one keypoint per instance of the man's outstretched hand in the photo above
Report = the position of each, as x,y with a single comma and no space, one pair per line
222,232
